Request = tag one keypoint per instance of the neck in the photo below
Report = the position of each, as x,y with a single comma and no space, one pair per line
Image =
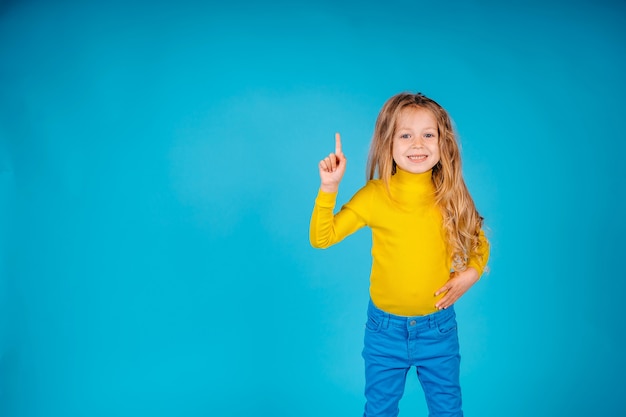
406,178
412,189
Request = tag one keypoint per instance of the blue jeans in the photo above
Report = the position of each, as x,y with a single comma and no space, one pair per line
395,343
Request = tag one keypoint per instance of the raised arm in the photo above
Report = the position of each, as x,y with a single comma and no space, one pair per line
326,228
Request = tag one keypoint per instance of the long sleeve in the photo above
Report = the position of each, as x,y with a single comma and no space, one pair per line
326,228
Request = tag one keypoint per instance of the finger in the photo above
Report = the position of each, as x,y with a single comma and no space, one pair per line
442,290
333,161
324,165
445,302
338,150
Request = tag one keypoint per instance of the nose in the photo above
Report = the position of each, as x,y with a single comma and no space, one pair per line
418,142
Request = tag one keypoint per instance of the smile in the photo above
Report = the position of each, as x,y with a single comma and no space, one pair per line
417,158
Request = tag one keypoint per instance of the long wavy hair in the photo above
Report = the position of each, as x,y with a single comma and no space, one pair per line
461,220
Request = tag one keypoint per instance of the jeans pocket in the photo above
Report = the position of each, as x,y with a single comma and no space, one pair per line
373,323
446,324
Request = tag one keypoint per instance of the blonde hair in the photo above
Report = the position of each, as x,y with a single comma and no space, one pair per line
461,220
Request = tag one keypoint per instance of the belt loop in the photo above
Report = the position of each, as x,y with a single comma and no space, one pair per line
385,320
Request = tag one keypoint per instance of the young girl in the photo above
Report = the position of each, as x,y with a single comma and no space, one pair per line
428,250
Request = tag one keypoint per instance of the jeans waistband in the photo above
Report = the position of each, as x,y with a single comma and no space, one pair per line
389,319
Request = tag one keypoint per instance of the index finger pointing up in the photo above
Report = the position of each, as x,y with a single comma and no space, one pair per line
338,144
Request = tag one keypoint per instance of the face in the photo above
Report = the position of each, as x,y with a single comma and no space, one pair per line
416,140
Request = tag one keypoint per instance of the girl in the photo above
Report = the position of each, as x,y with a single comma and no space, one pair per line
428,249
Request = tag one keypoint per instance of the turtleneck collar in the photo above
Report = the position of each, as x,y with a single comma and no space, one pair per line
412,189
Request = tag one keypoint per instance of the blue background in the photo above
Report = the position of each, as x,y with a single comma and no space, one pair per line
158,166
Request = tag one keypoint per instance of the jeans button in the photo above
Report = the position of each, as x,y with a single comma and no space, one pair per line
412,323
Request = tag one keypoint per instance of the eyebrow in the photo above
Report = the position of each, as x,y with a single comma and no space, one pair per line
408,128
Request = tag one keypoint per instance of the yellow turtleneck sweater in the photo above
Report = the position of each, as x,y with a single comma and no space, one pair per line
410,257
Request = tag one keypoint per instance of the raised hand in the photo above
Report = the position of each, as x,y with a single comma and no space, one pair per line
332,168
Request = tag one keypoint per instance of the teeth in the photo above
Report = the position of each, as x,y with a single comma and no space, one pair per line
413,157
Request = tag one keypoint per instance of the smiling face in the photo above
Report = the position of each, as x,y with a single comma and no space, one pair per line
416,140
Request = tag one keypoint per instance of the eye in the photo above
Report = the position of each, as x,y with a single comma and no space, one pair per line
405,136
430,135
